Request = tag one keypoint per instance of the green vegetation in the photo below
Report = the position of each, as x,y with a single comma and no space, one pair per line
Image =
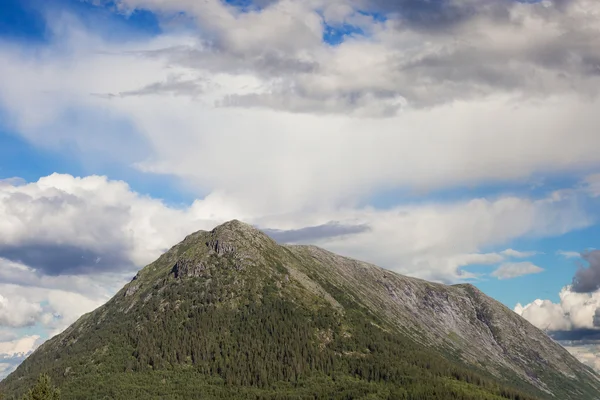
265,347
43,390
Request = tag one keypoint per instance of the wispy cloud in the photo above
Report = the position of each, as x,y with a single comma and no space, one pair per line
514,270
518,254
592,184
569,254
314,233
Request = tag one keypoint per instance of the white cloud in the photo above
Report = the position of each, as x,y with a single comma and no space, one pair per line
435,240
545,315
574,311
406,55
90,223
21,346
569,254
514,270
267,161
518,254
18,312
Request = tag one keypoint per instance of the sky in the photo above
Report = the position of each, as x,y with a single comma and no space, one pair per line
451,140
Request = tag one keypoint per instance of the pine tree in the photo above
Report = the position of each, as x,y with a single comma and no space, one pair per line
43,390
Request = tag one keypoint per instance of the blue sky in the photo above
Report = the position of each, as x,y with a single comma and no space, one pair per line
394,133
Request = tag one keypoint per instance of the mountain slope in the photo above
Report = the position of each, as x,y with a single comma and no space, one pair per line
232,314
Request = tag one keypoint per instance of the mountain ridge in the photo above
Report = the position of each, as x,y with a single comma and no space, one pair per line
215,285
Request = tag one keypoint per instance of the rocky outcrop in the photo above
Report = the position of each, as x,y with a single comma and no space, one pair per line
188,268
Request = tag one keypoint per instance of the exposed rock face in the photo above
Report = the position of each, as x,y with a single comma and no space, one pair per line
233,266
131,290
220,248
188,268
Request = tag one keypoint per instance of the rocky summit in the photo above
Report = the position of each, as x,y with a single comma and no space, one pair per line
232,314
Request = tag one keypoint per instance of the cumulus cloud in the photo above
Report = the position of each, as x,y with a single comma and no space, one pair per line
575,312
587,279
514,270
21,346
62,225
18,312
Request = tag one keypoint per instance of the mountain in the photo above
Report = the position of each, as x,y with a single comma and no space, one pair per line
232,314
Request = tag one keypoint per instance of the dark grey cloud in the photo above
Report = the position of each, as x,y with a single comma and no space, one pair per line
597,318
54,259
581,336
587,279
439,15
314,233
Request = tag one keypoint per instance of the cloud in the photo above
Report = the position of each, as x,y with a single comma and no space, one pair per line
184,139
15,181
313,233
9,364
435,240
579,336
592,184
587,279
18,312
57,259
518,254
468,142
66,225
481,259
569,254
574,312
415,50
21,346
513,270
173,85
588,354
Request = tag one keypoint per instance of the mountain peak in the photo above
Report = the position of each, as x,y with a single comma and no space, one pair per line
236,226
240,235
